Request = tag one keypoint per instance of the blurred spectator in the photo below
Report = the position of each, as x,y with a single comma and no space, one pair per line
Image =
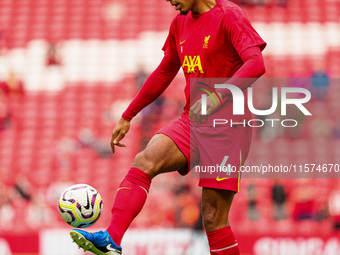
88,140
53,73
334,206
10,91
304,198
52,55
260,2
319,84
21,195
253,213
322,211
282,3
254,3
22,189
38,214
140,77
7,212
15,85
5,116
279,200
187,208
149,114
4,194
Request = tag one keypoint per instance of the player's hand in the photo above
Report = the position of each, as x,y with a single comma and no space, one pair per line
195,112
118,133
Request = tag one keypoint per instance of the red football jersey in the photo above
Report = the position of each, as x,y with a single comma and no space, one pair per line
209,45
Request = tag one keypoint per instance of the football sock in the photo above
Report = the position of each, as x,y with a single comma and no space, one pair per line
222,242
130,198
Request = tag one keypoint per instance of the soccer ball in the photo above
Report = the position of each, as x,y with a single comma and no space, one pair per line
80,205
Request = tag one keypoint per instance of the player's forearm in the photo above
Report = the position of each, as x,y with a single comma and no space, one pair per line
153,87
252,68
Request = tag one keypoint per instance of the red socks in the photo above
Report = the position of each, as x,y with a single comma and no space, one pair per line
222,242
130,199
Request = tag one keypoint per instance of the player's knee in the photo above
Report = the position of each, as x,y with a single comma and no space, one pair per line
145,163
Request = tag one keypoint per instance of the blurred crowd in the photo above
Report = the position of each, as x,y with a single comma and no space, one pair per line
11,90
299,203
176,199
281,3
25,206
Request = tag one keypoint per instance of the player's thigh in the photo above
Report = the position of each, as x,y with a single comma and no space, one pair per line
160,155
216,204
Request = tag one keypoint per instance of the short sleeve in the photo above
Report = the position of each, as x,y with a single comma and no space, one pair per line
169,48
240,32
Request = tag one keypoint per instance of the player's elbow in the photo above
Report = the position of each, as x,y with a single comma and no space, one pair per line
253,60
258,66
261,69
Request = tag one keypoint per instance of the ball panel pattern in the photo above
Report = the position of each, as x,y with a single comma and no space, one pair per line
80,205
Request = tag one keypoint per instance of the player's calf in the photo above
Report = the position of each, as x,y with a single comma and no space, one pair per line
215,209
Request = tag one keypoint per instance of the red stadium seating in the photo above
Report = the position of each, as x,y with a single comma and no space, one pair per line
41,119
59,20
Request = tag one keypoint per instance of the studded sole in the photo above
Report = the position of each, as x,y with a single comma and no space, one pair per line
86,245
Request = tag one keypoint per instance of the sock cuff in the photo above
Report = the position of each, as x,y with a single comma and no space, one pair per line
139,177
225,230
221,238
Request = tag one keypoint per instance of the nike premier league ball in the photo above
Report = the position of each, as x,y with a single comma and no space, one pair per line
80,205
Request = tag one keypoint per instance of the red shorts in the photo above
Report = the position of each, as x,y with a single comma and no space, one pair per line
214,154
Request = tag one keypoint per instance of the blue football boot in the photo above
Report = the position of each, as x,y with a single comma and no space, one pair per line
99,243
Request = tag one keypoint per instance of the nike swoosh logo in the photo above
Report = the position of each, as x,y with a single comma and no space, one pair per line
110,248
221,179
182,42
88,201
123,188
